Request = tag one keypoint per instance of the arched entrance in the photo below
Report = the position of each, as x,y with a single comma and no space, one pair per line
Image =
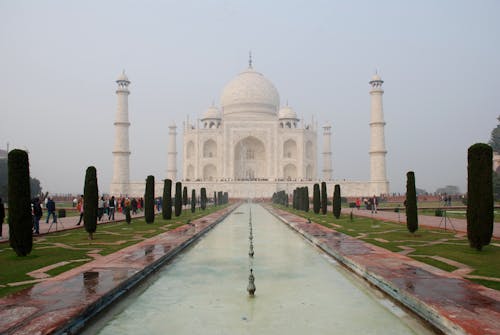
250,159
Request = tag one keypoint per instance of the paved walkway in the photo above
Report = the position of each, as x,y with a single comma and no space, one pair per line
65,223
66,302
458,225
449,302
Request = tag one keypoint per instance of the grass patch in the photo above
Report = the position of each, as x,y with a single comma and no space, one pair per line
488,283
67,245
426,242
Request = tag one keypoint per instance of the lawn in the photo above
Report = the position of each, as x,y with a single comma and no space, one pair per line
73,245
426,242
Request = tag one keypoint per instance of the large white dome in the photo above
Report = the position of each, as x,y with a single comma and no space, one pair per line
250,93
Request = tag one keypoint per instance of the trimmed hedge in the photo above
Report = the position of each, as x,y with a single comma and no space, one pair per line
480,201
19,219
411,203
149,200
90,201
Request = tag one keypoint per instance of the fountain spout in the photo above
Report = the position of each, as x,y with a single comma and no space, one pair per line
251,284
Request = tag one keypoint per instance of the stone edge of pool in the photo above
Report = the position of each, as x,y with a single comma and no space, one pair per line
65,303
448,302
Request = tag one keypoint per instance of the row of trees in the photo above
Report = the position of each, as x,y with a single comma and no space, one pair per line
301,200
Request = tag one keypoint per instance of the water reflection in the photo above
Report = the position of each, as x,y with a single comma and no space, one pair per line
301,291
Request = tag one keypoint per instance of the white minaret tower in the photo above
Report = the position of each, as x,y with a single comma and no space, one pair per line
378,178
121,151
172,153
327,152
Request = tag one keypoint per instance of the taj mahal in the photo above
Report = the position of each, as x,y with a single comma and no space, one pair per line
251,146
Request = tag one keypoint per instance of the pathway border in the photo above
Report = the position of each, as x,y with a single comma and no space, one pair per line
447,301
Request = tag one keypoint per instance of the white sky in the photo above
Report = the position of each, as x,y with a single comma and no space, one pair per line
440,61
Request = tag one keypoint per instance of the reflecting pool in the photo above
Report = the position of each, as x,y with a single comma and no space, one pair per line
300,290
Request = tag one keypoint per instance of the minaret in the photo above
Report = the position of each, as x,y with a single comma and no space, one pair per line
327,152
172,153
121,151
378,178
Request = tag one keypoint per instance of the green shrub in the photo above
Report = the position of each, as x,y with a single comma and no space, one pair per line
438,212
316,199
203,199
324,198
166,210
193,200
337,202
90,201
480,211
149,200
178,198
411,203
19,219
185,196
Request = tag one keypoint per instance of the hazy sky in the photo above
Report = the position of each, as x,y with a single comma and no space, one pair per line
59,60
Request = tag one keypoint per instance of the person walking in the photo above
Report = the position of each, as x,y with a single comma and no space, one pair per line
79,207
374,204
111,208
51,210
37,215
2,216
100,208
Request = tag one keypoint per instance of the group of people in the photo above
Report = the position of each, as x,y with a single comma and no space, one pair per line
109,206
370,203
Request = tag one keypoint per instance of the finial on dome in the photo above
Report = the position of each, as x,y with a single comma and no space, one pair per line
250,59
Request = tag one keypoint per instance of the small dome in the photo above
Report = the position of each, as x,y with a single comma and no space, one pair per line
211,113
376,77
287,113
250,91
122,77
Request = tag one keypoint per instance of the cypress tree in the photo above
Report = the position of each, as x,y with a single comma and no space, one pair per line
90,201
203,200
480,202
185,196
337,201
226,197
316,199
149,200
167,200
193,200
215,198
220,199
178,198
19,219
324,198
306,198
411,203
294,199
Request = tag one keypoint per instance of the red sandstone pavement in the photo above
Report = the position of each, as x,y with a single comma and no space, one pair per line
65,302
449,302
459,225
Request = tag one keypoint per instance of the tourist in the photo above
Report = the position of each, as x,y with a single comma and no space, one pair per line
374,204
358,203
51,210
134,206
2,216
111,209
37,215
100,208
79,207
75,202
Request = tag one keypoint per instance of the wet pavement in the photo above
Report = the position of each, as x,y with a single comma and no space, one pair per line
449,302
65,302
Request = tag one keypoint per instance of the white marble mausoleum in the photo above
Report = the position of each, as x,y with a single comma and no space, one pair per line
251,146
